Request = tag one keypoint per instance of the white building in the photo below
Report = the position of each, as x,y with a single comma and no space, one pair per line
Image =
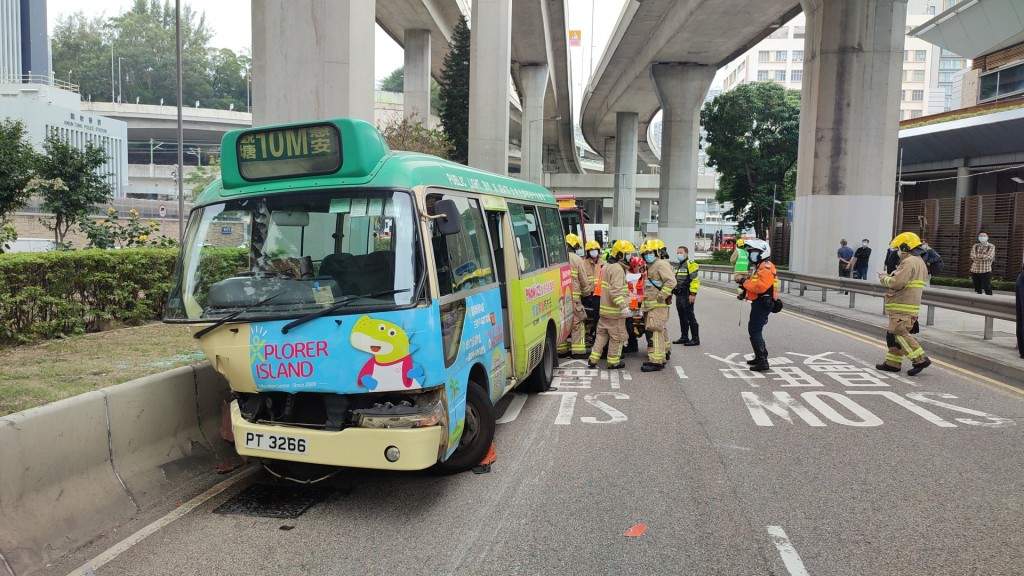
929,73
45,109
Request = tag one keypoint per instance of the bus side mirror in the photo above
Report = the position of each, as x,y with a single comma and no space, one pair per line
447,214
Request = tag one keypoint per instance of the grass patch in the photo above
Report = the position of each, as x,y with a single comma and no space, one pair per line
31,376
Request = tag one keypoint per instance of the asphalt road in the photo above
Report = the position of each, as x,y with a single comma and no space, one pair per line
822,466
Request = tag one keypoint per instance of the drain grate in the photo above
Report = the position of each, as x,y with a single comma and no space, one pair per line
269,501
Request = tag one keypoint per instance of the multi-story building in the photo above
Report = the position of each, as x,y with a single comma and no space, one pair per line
929,73
30,93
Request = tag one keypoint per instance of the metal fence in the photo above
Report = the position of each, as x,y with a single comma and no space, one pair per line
988,307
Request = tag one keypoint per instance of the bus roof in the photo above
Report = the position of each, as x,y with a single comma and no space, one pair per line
342,152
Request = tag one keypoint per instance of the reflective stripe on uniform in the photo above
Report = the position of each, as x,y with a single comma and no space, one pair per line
911,309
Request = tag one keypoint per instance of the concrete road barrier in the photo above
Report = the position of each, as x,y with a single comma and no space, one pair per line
72,469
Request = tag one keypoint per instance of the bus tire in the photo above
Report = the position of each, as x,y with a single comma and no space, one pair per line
477,434
544,373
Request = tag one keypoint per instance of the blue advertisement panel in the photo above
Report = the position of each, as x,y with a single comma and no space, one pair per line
377,352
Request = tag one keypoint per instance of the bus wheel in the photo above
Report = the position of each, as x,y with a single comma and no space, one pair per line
477,434
544,373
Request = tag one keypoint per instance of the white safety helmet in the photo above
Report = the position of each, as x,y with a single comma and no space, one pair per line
759,247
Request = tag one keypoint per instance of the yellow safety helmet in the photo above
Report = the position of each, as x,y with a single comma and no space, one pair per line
905,242
573,240
739,242
592,245
621,248
655,244
644,247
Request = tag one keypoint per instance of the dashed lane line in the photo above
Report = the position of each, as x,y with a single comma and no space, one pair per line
789,555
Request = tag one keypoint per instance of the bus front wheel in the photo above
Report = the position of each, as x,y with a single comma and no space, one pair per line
477,433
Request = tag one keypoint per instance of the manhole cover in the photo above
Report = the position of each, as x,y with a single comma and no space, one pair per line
271,501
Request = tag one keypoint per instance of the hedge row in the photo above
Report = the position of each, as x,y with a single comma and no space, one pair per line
969,283
55,294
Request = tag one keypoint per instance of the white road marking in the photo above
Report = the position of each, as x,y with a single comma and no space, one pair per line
682,375
615,380
616,416
626,375
789,556
604,374
116,550
565,407
514,408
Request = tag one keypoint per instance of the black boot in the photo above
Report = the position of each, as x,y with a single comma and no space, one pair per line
695,341
761,356
685,336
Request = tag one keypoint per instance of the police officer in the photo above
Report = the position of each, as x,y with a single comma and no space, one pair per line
581,287
611,327
658,288
903,303
761,291
687,284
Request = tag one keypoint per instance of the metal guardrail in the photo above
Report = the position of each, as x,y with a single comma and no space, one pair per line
989,307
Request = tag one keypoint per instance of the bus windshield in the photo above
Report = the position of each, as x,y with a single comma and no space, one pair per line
281,256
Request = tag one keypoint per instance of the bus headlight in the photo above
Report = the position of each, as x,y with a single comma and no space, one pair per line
416,412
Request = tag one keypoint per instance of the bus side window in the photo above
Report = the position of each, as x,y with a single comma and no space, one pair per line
467,253
554,235
494,222
527,234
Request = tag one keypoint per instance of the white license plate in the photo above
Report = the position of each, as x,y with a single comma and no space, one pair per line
275,442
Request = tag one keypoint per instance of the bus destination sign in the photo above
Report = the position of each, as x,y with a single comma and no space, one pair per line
289,152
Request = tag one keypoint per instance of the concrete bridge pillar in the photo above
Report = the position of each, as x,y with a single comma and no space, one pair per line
312,59
417,76
491,53
535,83
627,126
849,129
681,89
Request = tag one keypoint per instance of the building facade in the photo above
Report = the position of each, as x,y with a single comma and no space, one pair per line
929,72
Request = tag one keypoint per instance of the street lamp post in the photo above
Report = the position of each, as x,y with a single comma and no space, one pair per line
119,92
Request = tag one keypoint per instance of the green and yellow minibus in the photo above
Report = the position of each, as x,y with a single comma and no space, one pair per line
369,307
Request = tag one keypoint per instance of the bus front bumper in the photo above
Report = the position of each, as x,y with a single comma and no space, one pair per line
415,448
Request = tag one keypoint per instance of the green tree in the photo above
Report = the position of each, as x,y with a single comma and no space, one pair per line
454,93
202,177
411,135
17,159
751,139
71,183
142,40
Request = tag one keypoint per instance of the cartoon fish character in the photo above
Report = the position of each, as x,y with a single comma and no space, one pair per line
391,367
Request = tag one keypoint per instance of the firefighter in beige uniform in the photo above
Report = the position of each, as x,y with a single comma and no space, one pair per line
661,279
903,303
592,263
581,286
611,326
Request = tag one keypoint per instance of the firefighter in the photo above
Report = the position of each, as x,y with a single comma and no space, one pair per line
687,284
576,344
611,327
902,304
658,286
760,289
592,263
635,272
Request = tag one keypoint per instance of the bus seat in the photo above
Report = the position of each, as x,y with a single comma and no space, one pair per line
376,272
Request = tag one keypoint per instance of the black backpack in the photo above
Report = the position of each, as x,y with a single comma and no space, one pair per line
933,261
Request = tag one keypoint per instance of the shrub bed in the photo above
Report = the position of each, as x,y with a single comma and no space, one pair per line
54,294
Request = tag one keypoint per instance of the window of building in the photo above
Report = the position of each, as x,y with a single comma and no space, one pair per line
945,76
952,63
762,75
1002,83
918,75
798,55
903,114
917,95
762,55
915,113
906,74
780,75
780,55
906,55
903,95
796,75
920,55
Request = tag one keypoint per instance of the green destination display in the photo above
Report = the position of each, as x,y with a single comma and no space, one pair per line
273,153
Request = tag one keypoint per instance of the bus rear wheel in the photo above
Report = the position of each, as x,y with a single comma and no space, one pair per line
477,433
544,373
